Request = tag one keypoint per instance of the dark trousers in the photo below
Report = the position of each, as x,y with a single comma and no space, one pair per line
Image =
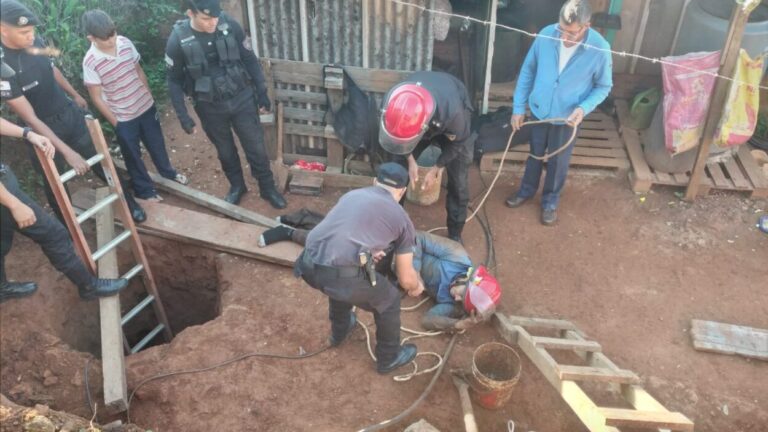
48,232
457,197
547,137
239,113
69,125
383,301
130,134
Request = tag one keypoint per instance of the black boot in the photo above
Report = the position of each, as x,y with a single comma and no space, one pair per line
406,354
137,213
273,197
11,290
235,194
303,219
336,340
101,288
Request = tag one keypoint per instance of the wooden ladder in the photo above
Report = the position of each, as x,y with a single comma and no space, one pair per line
115,198
648,413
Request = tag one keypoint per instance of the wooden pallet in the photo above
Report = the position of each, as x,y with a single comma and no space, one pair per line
647,413
741,173
598,146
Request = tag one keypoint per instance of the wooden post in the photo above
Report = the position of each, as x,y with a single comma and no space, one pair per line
489,57
112,355
366,33
252,26
640,36
728,59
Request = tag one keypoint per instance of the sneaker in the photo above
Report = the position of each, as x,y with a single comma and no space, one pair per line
515,201
406,355
181,179
548,217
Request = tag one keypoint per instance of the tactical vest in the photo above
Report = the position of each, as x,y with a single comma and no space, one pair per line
201,85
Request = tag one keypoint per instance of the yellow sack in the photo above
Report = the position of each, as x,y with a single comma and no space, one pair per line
740,114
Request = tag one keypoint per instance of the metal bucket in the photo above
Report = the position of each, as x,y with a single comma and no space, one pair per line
495,371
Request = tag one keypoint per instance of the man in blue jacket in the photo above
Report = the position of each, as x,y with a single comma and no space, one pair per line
566,74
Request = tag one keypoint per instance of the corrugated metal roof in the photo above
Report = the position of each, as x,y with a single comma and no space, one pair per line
400,37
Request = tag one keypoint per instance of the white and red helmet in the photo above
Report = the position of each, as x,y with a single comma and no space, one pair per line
483,292
407,113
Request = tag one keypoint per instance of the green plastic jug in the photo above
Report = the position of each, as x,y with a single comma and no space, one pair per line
643,107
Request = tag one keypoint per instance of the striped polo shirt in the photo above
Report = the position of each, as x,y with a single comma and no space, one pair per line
122,90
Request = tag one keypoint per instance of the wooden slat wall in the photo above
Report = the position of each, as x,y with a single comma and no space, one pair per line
299,86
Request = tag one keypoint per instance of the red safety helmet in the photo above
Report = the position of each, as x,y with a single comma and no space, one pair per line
408,109
483,292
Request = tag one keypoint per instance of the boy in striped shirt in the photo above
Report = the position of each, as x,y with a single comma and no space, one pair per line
119,89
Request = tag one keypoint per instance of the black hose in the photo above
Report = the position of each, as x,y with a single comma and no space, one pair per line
407,411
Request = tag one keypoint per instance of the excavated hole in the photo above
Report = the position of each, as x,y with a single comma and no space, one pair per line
187,281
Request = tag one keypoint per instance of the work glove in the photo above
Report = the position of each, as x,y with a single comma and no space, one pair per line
263,101
188,125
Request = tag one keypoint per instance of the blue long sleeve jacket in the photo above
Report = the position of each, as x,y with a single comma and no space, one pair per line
585,81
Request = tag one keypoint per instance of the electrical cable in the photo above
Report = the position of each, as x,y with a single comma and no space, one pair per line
216,366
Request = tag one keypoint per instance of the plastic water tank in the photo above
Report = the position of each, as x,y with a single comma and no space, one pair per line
705,25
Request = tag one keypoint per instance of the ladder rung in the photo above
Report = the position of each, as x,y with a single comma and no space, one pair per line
69,175
628,418
97,208
587,373
566,344
133,272
111,245
136,309
142,343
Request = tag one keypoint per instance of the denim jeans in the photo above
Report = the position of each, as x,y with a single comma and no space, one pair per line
130,134
547,137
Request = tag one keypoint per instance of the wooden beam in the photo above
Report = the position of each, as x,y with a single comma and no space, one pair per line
728,60
729,339
207,201
646,419
489,57
252,27
566,344
112,353
541,323
593,374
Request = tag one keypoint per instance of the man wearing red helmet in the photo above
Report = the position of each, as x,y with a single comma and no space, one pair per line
432,108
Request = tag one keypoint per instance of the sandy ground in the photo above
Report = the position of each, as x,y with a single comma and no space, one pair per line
631,271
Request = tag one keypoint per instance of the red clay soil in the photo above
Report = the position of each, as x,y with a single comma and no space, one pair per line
630,272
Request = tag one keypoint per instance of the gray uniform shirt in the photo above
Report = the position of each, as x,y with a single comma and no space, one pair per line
364,220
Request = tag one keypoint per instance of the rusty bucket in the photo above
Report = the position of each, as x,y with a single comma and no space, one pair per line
496,369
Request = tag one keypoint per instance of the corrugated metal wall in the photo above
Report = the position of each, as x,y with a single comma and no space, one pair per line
400,37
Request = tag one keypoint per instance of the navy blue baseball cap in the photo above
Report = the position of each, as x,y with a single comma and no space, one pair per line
208,7
16,14
392,174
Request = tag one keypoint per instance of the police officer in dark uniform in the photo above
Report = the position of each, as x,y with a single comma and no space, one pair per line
363,227
208,60
18,212
433,108
37,95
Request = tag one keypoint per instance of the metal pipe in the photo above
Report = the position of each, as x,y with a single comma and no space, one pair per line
111,245
133,272
84,216
69,175
147,338
136,309
252,26
679,26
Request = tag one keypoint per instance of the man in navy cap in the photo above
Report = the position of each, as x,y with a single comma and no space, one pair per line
364,226
207,59
36,93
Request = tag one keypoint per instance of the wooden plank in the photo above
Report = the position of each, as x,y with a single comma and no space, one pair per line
308,130
734,172
566,344
728,59
641,400
541,323
334,150
619,417
304,114
729,339
716,174
200,229
376,80
208,201
755,174
664,178
298,78
112,353
299,96
680,178
298,67
641,170
593,374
